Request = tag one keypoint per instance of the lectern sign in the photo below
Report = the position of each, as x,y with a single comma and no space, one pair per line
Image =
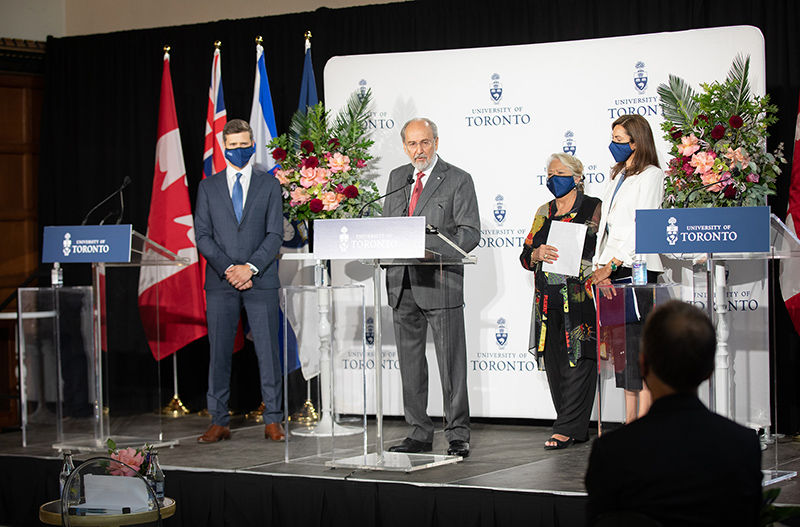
703,230
87,244
369,238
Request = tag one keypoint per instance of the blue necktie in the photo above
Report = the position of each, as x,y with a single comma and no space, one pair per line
238,197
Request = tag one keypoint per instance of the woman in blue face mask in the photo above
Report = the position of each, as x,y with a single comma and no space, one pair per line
636,183
563,321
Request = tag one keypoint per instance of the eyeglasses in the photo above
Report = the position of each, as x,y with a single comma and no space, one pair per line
424,144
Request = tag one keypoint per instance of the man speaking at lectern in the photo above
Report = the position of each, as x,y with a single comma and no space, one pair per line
422,295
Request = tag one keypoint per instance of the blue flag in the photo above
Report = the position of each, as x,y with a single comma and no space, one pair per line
308,88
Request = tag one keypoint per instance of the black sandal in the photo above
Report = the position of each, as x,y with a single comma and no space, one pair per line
559,444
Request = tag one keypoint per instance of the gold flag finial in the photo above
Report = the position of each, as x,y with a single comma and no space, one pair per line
308,36
259,40
166,49
218,44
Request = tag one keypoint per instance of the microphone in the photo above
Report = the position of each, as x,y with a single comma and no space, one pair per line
409,181
125,183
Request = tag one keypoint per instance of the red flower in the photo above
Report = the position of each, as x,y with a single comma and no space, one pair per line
315,205
675,133
730,192
698,118
279,154
350,191
311,162
361,163
333,143
735,121
307,146
718,132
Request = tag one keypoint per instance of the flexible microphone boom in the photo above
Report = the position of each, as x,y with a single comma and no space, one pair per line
125,183
409,181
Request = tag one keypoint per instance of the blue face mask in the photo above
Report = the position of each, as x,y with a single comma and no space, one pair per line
620,151
561,185
240,156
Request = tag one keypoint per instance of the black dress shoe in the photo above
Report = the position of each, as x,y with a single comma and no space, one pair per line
458,448
412,446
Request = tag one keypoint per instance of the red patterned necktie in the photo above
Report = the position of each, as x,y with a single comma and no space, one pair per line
415,194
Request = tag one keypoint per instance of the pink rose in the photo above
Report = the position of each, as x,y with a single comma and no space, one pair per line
339,163
130,457
361,163
281,176
688,145
313,176
330,200
752,177
299,196
703,162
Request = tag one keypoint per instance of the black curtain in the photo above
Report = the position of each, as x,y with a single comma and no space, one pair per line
100,110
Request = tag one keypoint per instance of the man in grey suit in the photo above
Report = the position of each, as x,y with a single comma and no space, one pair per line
427,295
239,229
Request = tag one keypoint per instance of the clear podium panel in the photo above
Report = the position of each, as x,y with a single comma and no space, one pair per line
325,401
56,363
621,311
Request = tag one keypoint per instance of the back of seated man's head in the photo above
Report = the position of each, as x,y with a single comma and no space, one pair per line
678,344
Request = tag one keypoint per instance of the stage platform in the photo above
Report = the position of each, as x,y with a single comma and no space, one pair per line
509,479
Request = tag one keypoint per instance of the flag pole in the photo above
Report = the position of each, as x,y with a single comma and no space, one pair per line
175,407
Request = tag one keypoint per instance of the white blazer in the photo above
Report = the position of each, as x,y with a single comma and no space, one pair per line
642,191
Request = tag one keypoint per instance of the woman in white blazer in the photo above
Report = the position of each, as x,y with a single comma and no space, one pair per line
636,183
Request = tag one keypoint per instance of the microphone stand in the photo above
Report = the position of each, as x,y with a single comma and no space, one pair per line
409,181
125,183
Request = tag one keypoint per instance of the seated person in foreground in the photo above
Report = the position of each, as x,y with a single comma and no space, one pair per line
681,464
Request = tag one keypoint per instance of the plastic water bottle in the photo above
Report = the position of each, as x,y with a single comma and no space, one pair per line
639,270
155,478
56,275
66,469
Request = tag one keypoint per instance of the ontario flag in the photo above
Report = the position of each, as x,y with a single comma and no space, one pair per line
170,297
790,267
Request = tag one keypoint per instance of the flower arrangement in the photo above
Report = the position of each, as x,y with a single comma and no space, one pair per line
718,140
136,458
322,162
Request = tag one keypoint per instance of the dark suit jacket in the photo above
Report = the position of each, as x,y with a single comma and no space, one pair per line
223,241
681,465
448,202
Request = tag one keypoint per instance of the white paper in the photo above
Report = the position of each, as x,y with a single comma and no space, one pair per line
114,493
568,238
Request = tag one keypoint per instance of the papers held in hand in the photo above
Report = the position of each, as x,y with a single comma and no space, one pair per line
569,239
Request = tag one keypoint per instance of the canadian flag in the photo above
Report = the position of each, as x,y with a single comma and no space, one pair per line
790,267
171,301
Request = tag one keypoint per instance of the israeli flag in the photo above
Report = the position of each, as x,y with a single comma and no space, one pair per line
262,116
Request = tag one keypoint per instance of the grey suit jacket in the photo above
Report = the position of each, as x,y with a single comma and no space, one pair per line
223,241
448,202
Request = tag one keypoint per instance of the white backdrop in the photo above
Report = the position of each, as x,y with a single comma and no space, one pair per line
501,111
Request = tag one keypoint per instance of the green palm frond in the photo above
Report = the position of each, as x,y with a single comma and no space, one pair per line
678,102
353,116
739,79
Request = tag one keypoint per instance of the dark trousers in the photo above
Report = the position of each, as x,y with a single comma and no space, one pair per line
410,329
571,387
224,308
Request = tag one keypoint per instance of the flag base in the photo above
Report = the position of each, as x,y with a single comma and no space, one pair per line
175,408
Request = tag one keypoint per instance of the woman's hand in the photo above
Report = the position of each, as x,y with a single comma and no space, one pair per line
600,277
544,253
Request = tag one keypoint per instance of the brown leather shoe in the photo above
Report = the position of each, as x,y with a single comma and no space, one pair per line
215,433
275,432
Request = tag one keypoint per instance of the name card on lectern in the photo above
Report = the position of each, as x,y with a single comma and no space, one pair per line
703,230
87,244
369,238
